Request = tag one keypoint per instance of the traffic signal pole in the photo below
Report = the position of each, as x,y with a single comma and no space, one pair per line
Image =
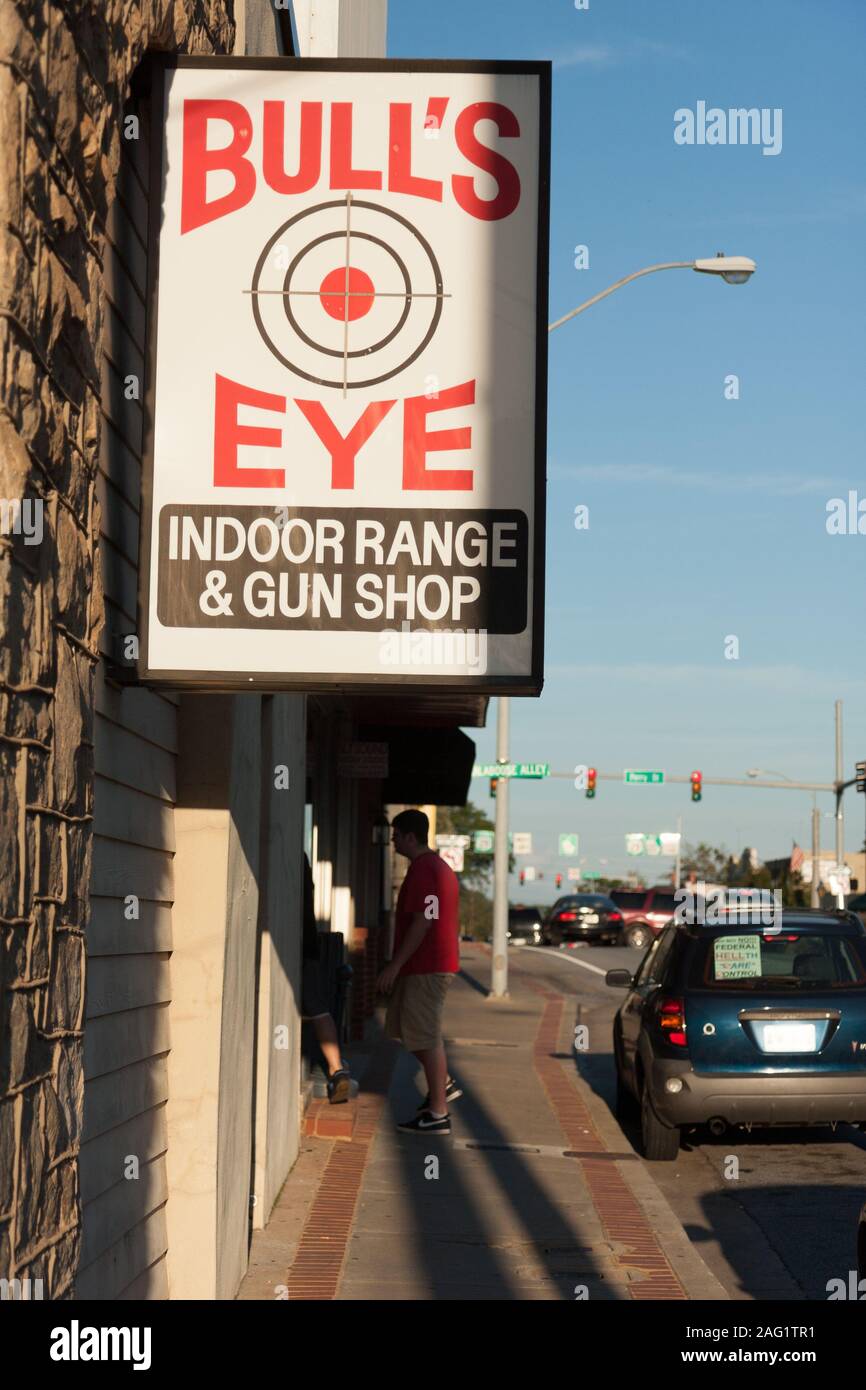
499,975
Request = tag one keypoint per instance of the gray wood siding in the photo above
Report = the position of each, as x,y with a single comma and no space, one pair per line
128,972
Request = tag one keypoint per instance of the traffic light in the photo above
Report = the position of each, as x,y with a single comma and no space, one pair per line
861,777
697,783
590,781
493,782
559,881
522,877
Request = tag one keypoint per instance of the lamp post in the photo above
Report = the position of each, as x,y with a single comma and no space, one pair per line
734,270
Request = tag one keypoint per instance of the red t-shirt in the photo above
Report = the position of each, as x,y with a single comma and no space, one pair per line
429,877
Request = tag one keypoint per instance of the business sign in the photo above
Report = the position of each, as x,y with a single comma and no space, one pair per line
360,759
345,405
453,855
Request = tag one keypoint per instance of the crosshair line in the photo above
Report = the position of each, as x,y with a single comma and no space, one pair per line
346,296
361,294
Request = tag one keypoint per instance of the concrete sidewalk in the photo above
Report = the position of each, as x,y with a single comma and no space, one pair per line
536,1194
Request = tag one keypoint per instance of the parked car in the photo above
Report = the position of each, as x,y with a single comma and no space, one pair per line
582,917
738,1024
858,904
524,924
645,911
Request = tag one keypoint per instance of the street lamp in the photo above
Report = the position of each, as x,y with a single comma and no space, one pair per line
735,270
766,772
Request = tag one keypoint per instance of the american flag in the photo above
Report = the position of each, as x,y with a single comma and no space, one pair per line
797,858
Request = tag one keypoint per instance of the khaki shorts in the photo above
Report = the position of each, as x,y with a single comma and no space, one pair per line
415,1010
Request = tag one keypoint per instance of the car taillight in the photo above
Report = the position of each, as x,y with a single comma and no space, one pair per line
567,917
614,917
672,1021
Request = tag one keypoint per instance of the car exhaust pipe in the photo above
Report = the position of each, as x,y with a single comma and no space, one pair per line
717,1126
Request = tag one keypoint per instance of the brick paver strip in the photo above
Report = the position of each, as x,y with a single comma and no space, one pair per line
318,1264
620,1212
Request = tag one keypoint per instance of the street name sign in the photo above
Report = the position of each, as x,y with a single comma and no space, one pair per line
651,778
527,770
345,396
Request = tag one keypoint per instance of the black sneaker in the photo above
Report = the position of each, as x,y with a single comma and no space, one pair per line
452,1092
339,1086
426,1123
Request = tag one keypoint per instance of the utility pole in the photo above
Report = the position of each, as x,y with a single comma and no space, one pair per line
679,851
499,977
816,855
840,789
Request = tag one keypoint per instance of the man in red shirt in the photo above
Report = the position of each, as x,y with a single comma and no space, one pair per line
425,961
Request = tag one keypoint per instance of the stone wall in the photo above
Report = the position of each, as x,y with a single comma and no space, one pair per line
64,77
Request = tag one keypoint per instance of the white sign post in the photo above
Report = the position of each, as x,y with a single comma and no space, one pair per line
346,394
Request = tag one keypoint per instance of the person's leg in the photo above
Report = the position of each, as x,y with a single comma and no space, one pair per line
435,1065
326,1036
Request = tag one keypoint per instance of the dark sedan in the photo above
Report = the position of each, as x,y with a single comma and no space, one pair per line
582,917
524,924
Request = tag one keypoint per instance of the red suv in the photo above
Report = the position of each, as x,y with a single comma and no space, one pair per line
645,911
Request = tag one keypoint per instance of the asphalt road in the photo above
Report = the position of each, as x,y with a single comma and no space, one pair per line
786,1223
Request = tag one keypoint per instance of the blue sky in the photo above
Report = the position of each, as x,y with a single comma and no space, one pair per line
707,516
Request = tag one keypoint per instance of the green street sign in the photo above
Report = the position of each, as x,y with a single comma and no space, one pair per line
482,842
644,778
528,770
591,873
568,845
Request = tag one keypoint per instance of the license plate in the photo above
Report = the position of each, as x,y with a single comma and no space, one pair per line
589,918
788,1037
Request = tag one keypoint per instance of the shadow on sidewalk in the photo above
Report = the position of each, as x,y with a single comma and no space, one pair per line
454,1228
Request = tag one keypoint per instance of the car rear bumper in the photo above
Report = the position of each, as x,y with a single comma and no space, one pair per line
760,1100
572,932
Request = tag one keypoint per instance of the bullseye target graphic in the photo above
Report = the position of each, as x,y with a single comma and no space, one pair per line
347,294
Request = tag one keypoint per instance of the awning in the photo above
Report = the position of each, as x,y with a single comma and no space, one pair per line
425,766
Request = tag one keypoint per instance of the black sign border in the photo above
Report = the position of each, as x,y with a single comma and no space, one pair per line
327,681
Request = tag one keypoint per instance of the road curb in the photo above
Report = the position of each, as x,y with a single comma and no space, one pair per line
695,1276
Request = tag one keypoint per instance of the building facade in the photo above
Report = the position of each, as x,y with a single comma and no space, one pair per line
151,1078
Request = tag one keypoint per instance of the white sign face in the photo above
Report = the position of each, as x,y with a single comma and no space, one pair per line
634,843
453,855
529,873
345,445
522,842
574,875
